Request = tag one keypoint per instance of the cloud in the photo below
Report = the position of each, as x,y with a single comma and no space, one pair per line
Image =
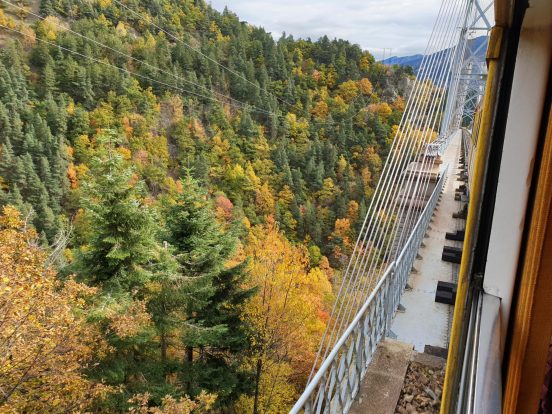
404,26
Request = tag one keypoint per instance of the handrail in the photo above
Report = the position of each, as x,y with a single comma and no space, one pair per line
338,379
327,362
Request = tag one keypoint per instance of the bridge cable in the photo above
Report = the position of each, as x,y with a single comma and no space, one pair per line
390,169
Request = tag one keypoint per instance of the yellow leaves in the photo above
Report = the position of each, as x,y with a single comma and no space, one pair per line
7,21
365,86
104,21
104,3
251,178
339,105
364,63
103,116
286,312
327,194
50,27
45,340
236,174
70,108
120,28
277,393
125,153
286,195
264,200
221,148
298,128
10,219
384,110
366,176
169,405
348,90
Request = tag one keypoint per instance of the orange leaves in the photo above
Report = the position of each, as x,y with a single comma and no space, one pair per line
129,320
223,208
45,341
72,175
352,210
382,109
321,110
398,104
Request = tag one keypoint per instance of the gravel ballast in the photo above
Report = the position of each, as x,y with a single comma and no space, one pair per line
422,389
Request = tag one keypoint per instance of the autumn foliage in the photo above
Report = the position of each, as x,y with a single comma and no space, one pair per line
203,215
46,345
288,316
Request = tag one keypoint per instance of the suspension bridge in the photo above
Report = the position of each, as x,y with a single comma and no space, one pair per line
389,286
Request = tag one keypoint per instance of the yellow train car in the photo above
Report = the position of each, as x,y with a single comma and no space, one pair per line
500,350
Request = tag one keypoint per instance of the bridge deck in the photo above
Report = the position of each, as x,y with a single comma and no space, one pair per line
425,322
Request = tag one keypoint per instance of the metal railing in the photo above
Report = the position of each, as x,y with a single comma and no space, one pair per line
337,381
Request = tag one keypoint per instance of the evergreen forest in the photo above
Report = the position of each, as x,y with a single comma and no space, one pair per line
180,194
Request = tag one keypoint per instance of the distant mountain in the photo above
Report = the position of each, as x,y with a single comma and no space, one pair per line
478,44
412,60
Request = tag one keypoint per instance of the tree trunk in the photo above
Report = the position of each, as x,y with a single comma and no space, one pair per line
163,340
189,359
257,383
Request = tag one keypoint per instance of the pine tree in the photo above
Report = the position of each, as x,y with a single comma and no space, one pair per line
48,80
121,242
7,160
46,8
210,295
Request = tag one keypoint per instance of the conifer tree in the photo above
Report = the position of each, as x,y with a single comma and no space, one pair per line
210,294
121,241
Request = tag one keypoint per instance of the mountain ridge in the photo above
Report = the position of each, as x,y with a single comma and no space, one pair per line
415,60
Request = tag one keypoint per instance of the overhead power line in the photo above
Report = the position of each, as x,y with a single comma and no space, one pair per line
121,53
196,50
175,87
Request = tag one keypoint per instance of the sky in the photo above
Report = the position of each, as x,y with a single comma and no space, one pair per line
404,26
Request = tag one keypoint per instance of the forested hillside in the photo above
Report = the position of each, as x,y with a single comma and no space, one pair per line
181,192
